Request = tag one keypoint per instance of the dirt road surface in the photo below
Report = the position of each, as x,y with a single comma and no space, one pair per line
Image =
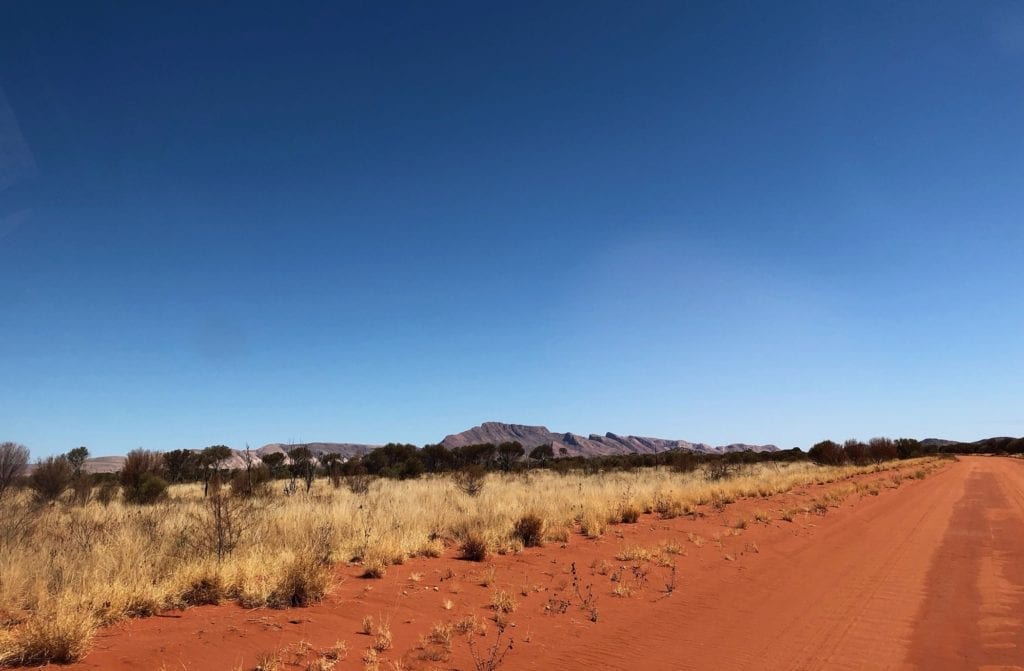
919,574
930,578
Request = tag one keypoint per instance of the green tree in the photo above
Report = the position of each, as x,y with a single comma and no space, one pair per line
907,447
76,458
81,482
142,477
274,461
509,453
542,453
213,459
302,465
181,465
331,462
827,453
437,458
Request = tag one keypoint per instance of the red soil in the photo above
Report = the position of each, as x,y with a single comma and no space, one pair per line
927,575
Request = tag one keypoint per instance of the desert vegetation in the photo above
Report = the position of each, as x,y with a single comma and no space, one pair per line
74,558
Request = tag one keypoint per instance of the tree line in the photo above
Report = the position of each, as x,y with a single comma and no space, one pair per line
146,475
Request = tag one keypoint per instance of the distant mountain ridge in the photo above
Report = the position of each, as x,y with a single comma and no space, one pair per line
592,445
237,458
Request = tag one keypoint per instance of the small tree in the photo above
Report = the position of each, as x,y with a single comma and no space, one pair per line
213,459
76,458
542,453
437,458
508,454
906,447
882,449
142,477
50,479
226,519
81,483
471,479
181,465
273,461
332,463
827,453
13,462
856,451
302,465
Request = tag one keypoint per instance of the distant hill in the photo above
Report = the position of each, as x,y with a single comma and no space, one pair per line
103,464
589,446
237,458
346,450
994,445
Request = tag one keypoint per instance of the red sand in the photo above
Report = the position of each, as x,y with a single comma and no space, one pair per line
927,576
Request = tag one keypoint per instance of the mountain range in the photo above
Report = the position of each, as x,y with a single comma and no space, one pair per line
592,445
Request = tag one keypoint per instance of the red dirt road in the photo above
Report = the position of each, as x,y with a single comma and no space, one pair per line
926,575
931,577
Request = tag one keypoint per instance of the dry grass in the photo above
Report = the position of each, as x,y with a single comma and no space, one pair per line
503,602
67,570
382,639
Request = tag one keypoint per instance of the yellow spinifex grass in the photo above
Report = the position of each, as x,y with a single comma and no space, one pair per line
67,570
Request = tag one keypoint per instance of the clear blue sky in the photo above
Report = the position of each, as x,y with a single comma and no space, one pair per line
231,222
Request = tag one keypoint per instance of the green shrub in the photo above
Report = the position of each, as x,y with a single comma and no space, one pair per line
149,489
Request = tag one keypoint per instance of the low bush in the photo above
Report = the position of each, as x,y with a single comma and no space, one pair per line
471,479
141,477
629,514
529,529
207,590
474,547
50,479
148,489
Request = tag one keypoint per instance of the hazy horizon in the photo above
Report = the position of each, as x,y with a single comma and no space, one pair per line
249,223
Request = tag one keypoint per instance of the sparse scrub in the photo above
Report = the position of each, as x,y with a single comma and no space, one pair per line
66,570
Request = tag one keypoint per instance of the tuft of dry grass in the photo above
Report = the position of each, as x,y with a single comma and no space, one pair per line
61,636
529,530
268,661
474,547
382,639
503,602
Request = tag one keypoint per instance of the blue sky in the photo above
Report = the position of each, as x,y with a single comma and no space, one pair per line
259,222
